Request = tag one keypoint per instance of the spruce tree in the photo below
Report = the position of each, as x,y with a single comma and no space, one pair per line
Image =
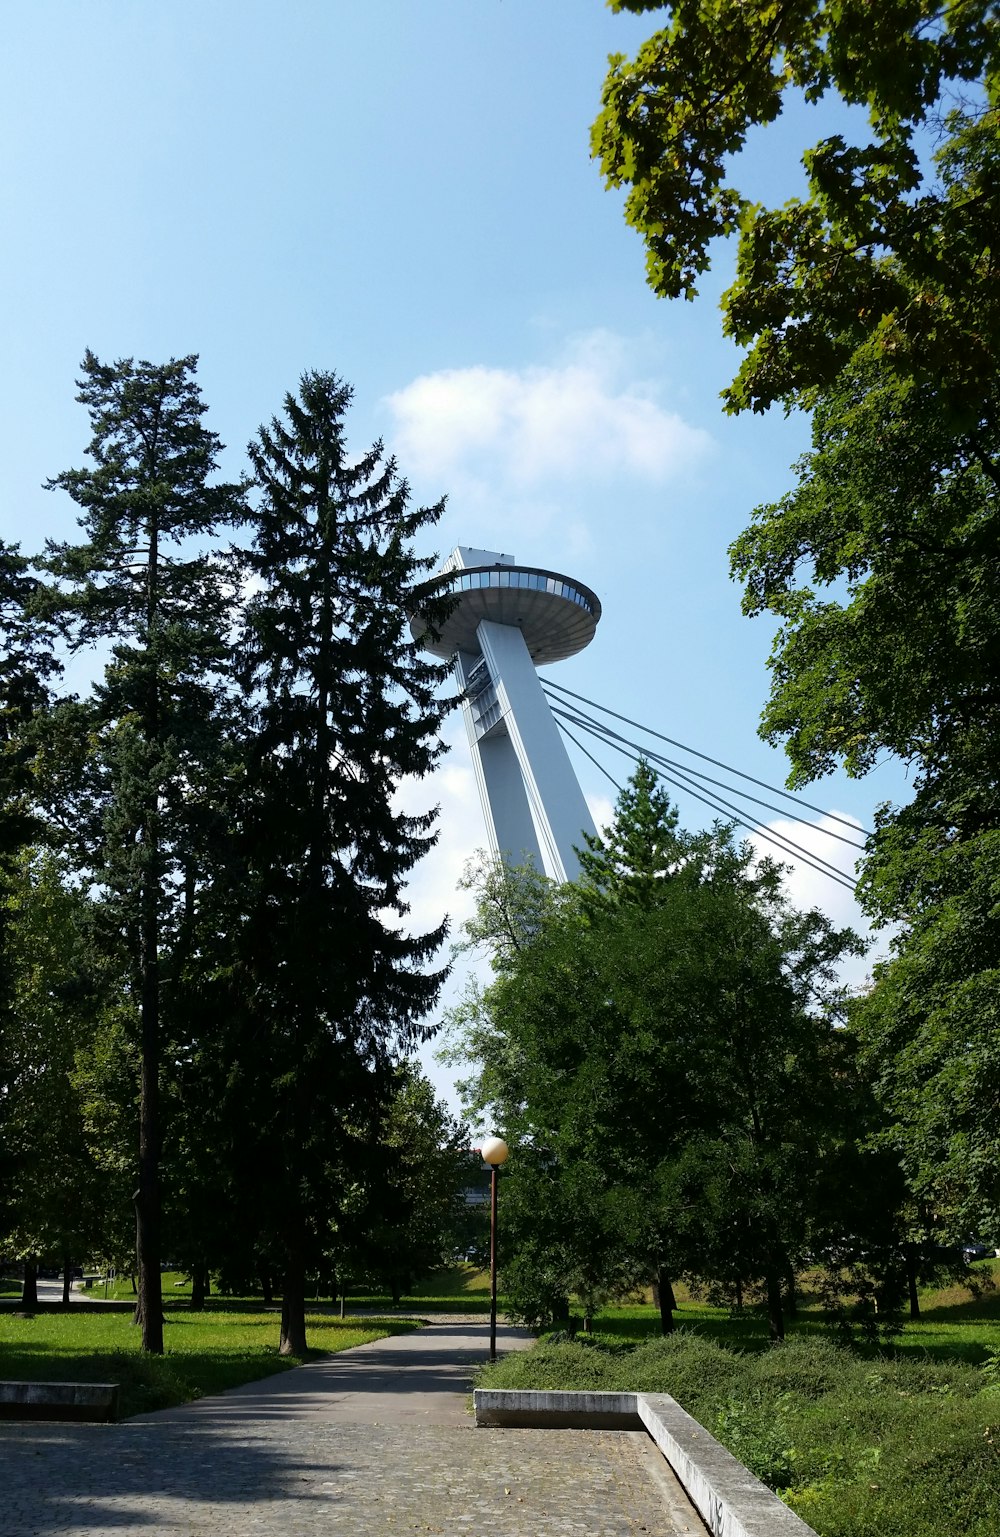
344,706
643,845
149,582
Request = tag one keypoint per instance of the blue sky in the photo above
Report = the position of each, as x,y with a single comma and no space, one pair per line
403,193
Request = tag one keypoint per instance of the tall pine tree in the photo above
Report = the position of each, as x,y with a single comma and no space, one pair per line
330,985
148,581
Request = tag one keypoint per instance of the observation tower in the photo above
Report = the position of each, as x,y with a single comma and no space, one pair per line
508,620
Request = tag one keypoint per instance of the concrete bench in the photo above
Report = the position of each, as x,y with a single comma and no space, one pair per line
727,1496
58,1400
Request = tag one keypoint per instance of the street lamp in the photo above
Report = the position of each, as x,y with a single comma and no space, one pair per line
493,1152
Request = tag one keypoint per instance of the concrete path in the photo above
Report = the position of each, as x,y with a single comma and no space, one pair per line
423,1377
376,1440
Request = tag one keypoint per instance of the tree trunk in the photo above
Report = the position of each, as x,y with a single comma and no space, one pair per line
149,1306
663,1295
739,1294
199,1287
911,1280
775,1313
29,1284
67,1280
397,1291
266,1285
293,1304
588,1324
791,1296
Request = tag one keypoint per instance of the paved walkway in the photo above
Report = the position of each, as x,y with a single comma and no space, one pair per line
376,1440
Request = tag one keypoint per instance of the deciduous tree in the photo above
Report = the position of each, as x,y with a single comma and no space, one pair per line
661,1043
872,300
55,1196
27,663
895,241
881,568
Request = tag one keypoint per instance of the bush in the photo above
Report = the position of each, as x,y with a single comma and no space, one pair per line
859,1447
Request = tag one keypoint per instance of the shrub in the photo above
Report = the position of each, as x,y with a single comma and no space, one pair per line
858,1446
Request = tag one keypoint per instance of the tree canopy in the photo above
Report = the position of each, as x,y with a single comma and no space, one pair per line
660,1048
895,241
315,970
209,986
874,302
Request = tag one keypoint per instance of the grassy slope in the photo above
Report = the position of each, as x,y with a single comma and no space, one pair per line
205,1352
900,1444
462,1289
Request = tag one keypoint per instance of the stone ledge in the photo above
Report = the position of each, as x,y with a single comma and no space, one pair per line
727,1496
561,1411
731,1501
58,1400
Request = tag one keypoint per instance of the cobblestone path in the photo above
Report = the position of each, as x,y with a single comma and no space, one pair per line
343,1455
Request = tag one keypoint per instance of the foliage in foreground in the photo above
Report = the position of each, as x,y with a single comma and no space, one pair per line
883,1447
660,1043
204,1353
889,242
871,301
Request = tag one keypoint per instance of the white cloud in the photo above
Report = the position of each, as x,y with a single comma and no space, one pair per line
602,809
580,419
433,888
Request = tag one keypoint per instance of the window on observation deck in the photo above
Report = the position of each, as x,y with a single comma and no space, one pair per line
533,581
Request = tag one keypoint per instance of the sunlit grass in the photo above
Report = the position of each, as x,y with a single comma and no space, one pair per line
955,1324
889,1446
456,1289
204,1353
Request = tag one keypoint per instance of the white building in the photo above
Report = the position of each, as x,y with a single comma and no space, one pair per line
508,620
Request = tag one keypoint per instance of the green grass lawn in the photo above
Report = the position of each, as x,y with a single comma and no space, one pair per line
204,1352
902,1442
459,1289
954,1325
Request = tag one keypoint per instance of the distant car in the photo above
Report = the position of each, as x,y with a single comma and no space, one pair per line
973,1251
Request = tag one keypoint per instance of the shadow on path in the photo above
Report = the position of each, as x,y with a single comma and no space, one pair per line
426,1375
252,1460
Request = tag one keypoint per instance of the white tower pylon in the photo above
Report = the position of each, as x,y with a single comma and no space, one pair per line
508,620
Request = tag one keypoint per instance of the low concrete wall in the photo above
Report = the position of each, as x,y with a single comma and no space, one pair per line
58,1400
727,1496
562,1411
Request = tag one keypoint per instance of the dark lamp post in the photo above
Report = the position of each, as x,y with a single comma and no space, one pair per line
493,1152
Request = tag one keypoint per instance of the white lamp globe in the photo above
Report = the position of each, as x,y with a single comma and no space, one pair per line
494,1151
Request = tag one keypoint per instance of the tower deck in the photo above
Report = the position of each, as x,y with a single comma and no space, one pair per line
556,616
506,621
